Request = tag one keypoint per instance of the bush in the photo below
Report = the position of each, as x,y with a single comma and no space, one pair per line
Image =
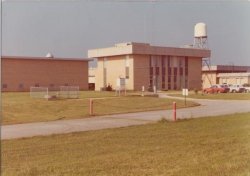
109,88
196,91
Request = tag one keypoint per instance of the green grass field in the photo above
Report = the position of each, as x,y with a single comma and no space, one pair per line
217,146
219,96
20,108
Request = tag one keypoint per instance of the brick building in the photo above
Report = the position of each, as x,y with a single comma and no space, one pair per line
230,74
20,73
167,68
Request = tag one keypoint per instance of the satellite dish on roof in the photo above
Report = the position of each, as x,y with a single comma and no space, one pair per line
49,55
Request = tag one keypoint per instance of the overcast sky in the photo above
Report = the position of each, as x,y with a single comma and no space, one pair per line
70,28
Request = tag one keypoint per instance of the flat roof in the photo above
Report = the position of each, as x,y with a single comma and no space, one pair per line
147,49
45,58
230,68
244,74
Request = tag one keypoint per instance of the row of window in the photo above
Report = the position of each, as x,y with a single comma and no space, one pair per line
157,71
173,65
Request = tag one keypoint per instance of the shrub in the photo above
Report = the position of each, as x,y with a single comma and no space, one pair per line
196,91
109,88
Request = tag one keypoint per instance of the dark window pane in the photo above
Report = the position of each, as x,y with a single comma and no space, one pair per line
181,71
151,70
157,71
163,79
127,72
186,71
175,71
169,86
163,85
163,70
169,71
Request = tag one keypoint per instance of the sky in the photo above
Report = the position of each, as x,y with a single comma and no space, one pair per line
69,28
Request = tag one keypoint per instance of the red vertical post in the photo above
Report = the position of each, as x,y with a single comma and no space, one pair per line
90,107
174,111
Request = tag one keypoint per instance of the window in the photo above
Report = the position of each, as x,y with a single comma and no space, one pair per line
157,71
37,85
169,79
151,70
51,85
186,71
175,79
151,82
175,71
152,61
169,62
169,71
163,61
127,72
163,71
175,86
175,82
181,71
169,86
163,82
174,61
155,61
163,85
66,84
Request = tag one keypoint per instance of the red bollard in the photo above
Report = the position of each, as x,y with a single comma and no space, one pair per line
90,107
174,111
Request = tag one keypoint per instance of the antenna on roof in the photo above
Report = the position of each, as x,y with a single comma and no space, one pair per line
49,55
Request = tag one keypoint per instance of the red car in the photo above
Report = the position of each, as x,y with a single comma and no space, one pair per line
217,89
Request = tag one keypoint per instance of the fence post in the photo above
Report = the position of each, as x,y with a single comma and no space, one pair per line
174,111
91,107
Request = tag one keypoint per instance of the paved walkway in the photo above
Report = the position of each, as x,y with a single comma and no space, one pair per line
207,108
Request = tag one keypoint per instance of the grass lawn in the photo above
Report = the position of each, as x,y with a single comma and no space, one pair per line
218,146
219,96
20,108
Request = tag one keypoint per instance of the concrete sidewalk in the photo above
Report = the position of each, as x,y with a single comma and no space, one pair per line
207,108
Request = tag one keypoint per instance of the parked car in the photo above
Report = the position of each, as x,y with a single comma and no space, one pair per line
236,88
217,89
247,87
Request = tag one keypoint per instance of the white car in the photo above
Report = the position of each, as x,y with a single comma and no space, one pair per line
247,87
236,88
